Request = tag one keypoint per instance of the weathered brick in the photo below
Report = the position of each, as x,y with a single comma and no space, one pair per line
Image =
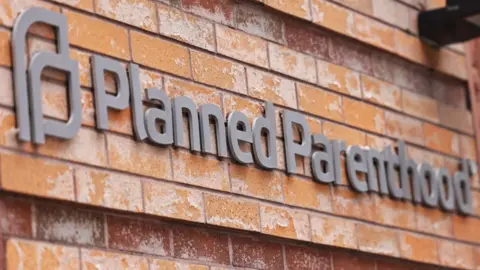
454,254
249,107
216,10
93,258
373,32
449,90
339,132
468,147
344,260
230,212
381,92
292,63
319,102
391,12
218,72
69,225
450,63
173,201
350,54
418,248
10,9
411,76
257,183
351,204
307,193
15,216
199,94
285,222
84,66
363,115
24,254
6,92
307,258
420,155
81,4
35,176
139,13
307,39
375,239
395,213
456,117
256,253
441,139
420,105
466,229
5,53
404,127
364,6
333,232
297,8
270,87
207,246
97,35
174,59
338,78
200,171
259,22
333,16
157,264
138,235
125,154
107,189
241,46
378,143
185,27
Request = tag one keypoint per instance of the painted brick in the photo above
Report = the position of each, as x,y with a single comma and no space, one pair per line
5,53
218,72
206,246
200,171
241,46
6,92
297,8
350,54
10,9
395,213
468,147
466,229
381,92
257,183
339,132
136,157
174,59
449,90
364,6
139,13
420,105
216,10
138,235
81,4
259,22
270,87
456,118
199,94
307,39
319,102
378,143
292,63
185,27
156,264
453,254
111,190
363,115
421,155
307,194
351,204
254,253
84,66
173,201
338,78
374,33
451,63
15,217
412,77
404,127
344,260
333,231
230,212
378,240
109,260
307,258
249,107
68,225
441,139
24,254
418,248
35,176
97,35
285,223
476,256
391,12
332,16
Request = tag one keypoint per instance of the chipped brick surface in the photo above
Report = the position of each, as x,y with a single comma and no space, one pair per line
255,253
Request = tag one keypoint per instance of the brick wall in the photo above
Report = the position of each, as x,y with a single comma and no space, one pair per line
354,68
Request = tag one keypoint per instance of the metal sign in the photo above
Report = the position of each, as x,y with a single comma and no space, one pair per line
387,172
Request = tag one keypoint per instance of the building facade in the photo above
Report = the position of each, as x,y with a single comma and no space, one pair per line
235,134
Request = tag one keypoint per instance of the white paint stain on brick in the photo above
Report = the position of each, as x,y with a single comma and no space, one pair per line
301,225
61,186
137,13
270,87
271,219
232,222
109,260
292,63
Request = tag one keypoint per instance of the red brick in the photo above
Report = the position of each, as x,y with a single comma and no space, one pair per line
456,117
345,202
285,222
196,244
375,239
404,127
297,8
307,39
292,63
305,258
346,260
267,86
411,76
138,235
232,212
333,231
139,13
466,229
259,22
216,10
15,217
418,248
395,213
111,260
69,225
350,54
255,253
